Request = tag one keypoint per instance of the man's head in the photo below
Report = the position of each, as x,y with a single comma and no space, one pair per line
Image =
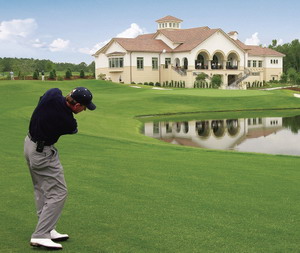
79,99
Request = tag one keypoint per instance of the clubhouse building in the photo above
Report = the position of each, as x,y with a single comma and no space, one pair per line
175,54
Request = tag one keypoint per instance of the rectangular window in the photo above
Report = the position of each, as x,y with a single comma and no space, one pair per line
249,64
154,63
156,127
140,63
260,64
254,64
271,61
167,62
115,62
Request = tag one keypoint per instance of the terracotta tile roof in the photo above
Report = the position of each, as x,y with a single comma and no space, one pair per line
143,45
259,51
264,51
145,36
189,38
168,18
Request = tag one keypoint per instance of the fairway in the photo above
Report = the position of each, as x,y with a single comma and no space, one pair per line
132,193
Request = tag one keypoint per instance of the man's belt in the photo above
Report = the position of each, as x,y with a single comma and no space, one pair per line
35,140
31,138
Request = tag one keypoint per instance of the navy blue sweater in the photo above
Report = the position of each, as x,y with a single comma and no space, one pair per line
52,118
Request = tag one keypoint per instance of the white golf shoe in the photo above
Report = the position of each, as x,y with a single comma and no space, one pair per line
44,242
55,236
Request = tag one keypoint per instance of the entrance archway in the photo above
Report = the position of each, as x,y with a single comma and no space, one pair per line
231,79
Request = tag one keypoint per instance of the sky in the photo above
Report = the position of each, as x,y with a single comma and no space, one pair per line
72,30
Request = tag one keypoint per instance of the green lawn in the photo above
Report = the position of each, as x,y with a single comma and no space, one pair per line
132,193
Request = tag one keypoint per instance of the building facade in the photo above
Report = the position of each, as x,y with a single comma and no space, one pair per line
175,54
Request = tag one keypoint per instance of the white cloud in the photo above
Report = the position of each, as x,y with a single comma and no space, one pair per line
17,28
254,40
131,32
280,42
38,44
94,49
59,45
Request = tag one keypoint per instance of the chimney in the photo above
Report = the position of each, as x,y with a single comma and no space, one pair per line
233,35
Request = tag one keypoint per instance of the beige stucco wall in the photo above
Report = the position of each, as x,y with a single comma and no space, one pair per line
115,74
272,72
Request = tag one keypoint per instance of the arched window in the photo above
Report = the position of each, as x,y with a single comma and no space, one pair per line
215,62
185,127
178,127
185,63
202,128
233,126
199,64
218,127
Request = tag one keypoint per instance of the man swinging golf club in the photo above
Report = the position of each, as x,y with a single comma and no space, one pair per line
52,118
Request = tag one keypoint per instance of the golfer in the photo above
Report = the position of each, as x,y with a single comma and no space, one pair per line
52,118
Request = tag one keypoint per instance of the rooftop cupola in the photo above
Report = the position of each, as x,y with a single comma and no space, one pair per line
168,22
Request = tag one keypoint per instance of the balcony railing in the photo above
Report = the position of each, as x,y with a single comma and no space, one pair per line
216,67
231,67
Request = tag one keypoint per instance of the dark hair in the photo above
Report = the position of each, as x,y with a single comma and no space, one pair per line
71,100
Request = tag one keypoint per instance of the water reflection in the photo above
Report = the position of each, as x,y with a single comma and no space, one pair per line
274,135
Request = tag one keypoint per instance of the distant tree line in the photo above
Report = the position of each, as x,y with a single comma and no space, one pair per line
26,66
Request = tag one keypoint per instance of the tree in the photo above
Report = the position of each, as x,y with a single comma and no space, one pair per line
81,73
91,67
35,75
292,73
216,81
201,77
284,78
7,64
81,66
297,79
68,74
52,74
274,44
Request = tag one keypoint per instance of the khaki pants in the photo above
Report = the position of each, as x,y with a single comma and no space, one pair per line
49,184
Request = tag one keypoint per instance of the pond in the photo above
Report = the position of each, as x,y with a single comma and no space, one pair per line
272,135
